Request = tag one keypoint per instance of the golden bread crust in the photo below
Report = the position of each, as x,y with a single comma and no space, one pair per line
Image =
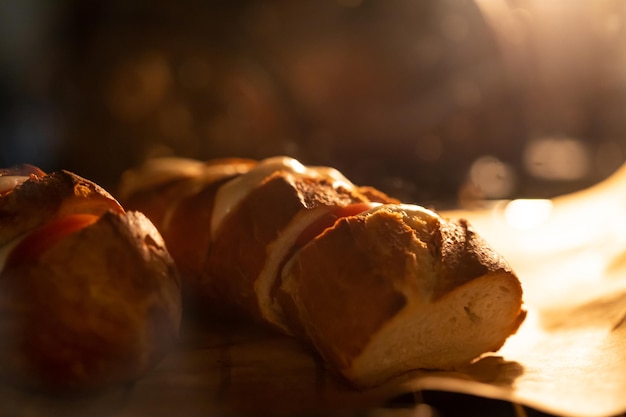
290,250
95,307
368,268
40,199
366,288
239,251
463,255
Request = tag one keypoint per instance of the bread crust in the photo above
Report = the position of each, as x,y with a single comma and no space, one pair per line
40,199
98,307
368,268
463,255
357,283
365,289
240,249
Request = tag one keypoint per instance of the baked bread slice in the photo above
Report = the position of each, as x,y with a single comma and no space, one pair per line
375,286
398,288
260,232
89,295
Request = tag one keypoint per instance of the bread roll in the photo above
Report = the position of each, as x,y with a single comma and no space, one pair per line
89,295
398,288
240,224
377,287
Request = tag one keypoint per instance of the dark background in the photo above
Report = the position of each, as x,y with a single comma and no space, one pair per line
427,100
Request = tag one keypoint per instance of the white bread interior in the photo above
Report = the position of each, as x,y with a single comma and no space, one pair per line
467,322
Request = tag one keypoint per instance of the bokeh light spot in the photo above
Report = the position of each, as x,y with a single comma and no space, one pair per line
557,158
492,177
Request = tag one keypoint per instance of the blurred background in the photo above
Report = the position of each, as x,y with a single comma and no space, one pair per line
443,103
438,102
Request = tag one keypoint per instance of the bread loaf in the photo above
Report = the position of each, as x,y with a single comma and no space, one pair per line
89,295
406,290
377,287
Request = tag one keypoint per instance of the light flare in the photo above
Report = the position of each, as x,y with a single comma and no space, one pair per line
527,213
573,245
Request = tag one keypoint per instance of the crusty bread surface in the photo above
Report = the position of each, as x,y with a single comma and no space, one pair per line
256,228
94,307
390,290
377,287
40,199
